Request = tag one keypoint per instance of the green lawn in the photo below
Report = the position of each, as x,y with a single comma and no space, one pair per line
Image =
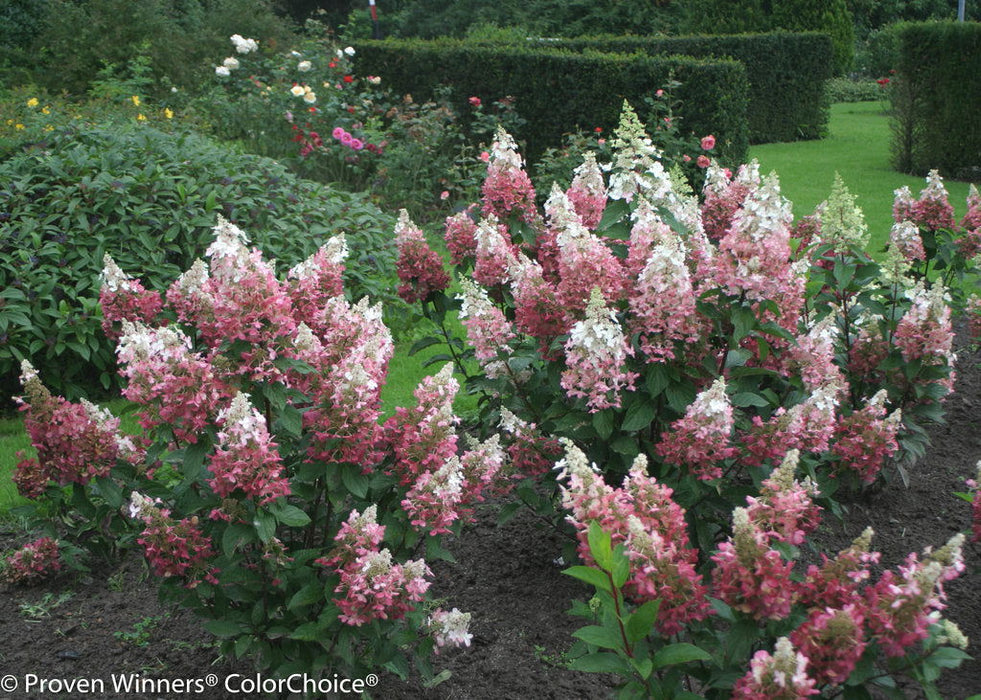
858,148
12,439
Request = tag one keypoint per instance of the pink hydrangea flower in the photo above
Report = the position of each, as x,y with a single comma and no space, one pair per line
537,312
584,261
663,302
924,332
933,211
175,548
33,562
495,254
419,267
778,676
424,437
459,234
905,236
701,440
832,640
835,583
487,328
723,197
174,385
75,442
751,576
316,280
507,189
588,192
785,506
124,298
596,354
901,605
866,438
643,518
246,459
372,586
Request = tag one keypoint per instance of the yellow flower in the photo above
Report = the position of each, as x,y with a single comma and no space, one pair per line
49,128
46,110
140,117
136,100
168,113
32,102
19,127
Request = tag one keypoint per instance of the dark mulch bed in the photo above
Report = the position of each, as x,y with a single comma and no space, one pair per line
506,576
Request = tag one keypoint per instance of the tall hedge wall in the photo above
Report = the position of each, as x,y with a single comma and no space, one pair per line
787,73
558,91
938,93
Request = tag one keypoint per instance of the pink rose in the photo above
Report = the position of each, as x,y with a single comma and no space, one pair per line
708,142
703,161
337,133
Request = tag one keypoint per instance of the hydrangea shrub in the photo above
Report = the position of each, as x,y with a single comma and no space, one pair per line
264,489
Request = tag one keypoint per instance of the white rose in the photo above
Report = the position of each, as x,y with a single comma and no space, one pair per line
349,50
310,97
221,70
304,66
231,63
297,90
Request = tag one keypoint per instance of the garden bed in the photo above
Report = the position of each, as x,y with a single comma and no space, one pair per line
507,576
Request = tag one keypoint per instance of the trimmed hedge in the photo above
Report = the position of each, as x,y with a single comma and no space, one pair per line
937,93
787,73
559,91
150,200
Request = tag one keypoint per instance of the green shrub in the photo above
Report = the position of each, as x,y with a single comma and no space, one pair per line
429,19
936,93
176,39
855,90
20,22
879,54
150,200
786,73
829,17
558,92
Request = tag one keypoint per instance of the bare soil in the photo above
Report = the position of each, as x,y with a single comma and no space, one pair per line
506,576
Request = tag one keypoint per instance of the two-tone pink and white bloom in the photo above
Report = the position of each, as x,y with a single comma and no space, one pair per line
596,354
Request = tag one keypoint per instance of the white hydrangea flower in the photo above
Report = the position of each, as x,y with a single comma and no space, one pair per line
231,63
450,628
304,66
27,372
242,415
113,278
222,71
